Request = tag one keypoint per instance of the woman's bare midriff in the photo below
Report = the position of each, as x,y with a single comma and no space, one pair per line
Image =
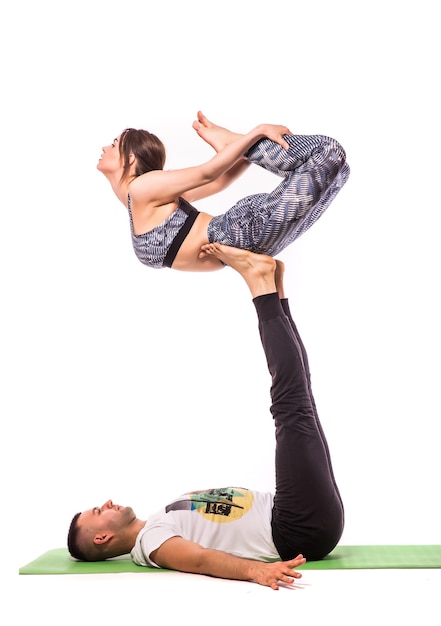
187,258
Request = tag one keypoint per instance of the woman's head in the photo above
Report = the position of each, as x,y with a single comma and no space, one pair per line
148,150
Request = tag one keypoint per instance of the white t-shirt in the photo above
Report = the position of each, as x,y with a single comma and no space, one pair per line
235,520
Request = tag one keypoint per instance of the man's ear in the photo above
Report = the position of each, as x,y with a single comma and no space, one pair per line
102,538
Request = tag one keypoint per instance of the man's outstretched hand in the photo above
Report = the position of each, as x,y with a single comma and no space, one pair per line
271,574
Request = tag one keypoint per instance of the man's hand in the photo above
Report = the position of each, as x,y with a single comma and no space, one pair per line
271,574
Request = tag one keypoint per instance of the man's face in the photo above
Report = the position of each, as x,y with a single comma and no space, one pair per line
109,516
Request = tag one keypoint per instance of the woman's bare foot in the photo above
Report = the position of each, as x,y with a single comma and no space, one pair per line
216,136
278,277
258,270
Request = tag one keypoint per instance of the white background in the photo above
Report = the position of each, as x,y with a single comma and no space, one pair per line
134,384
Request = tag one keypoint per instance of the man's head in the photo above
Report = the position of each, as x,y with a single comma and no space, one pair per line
103,532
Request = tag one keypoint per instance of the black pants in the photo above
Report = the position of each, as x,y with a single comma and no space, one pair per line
308,515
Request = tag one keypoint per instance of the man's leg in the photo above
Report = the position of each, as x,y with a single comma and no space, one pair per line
308,514
280,269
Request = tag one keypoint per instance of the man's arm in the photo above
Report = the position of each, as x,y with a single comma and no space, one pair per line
186,556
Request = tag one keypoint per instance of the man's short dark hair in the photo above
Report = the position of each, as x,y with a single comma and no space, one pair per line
73,540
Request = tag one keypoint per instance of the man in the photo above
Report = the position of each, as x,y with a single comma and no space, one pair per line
233,532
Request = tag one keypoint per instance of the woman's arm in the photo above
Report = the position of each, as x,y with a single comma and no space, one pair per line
186,556
159,187
217,137
224,181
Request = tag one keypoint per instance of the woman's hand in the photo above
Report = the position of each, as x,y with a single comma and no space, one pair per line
275,133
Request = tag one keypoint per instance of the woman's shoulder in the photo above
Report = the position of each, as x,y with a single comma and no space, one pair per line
138,187
149,188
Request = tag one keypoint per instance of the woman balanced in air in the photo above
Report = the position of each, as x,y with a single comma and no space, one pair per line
167,231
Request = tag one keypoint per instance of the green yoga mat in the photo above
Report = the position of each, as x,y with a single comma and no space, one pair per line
58,561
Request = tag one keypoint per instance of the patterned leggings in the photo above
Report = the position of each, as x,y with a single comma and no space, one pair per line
313,169
308,514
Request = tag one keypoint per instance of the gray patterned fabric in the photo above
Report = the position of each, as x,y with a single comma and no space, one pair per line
313,169
152,247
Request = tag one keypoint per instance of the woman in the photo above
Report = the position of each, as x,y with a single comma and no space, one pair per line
168,232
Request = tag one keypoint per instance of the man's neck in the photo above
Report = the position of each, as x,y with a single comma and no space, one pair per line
137,526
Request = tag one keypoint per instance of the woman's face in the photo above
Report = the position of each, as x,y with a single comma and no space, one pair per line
110,160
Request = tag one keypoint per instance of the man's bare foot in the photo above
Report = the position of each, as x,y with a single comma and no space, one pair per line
216,136
258,270
278,277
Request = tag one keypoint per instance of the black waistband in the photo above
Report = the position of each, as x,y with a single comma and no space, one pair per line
182,232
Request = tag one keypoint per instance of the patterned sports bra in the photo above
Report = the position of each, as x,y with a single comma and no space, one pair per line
158,247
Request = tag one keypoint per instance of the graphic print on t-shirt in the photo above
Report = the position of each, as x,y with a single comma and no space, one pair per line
216,505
